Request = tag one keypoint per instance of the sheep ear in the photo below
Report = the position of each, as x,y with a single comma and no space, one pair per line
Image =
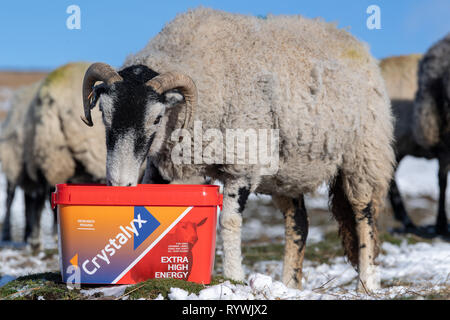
202,222
172,98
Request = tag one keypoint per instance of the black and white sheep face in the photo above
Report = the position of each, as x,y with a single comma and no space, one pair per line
133,115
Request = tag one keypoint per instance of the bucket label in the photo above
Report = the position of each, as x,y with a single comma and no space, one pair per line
131,244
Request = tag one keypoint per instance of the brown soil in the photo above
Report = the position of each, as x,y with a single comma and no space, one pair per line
15,79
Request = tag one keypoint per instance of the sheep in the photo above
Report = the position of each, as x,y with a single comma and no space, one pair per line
314,85
53,147
59,149
11,157
431,117
400,75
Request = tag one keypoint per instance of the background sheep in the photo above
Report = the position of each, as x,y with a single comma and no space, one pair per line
12,157
431,118
400,75
318,85
60,148
53,147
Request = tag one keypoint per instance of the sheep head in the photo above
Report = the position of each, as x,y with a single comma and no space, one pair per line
134,104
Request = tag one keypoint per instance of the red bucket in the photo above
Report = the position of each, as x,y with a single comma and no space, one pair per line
124,235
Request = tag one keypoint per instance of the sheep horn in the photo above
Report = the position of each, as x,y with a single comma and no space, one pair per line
174,80
96,72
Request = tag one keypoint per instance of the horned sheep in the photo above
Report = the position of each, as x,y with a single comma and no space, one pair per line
316,85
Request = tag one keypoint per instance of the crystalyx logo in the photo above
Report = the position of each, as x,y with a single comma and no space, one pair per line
140,228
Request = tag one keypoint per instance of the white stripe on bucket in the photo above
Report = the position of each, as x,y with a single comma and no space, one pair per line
154,243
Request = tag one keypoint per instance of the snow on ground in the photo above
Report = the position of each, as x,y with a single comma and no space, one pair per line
15,262
404,270
417,177
407,269
420,268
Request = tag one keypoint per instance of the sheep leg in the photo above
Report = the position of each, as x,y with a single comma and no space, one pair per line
441,221
296,232
398,207
235,193
367,274
6,228
28,215
36,203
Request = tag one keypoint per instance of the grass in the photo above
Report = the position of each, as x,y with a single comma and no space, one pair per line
321,252
48,286
326,250
262,252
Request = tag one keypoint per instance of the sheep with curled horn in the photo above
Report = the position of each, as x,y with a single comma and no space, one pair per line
319,89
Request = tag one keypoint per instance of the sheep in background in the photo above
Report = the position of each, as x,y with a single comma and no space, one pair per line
315,83
60,149
55,147
431,119
12,159
400,75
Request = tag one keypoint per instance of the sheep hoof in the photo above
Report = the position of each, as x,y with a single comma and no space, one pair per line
367,287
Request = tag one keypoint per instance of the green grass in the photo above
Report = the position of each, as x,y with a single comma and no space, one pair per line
321,252
46,285
256,253
325,250
49,287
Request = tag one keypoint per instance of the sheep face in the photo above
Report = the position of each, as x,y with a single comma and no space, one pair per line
134,117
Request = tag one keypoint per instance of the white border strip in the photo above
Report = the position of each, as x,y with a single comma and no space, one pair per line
154,243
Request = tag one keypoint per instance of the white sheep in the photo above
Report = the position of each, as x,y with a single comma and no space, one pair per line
317,85
59,148
46,144
12,138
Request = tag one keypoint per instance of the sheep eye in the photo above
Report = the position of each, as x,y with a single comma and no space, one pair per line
158,118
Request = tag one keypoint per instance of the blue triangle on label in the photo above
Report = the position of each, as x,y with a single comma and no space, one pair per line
145,224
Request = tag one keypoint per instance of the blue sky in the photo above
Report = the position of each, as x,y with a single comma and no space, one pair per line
34,35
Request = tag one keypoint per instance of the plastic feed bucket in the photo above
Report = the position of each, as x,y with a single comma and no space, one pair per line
124,235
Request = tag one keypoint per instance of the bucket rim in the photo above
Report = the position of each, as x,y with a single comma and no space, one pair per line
140,195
